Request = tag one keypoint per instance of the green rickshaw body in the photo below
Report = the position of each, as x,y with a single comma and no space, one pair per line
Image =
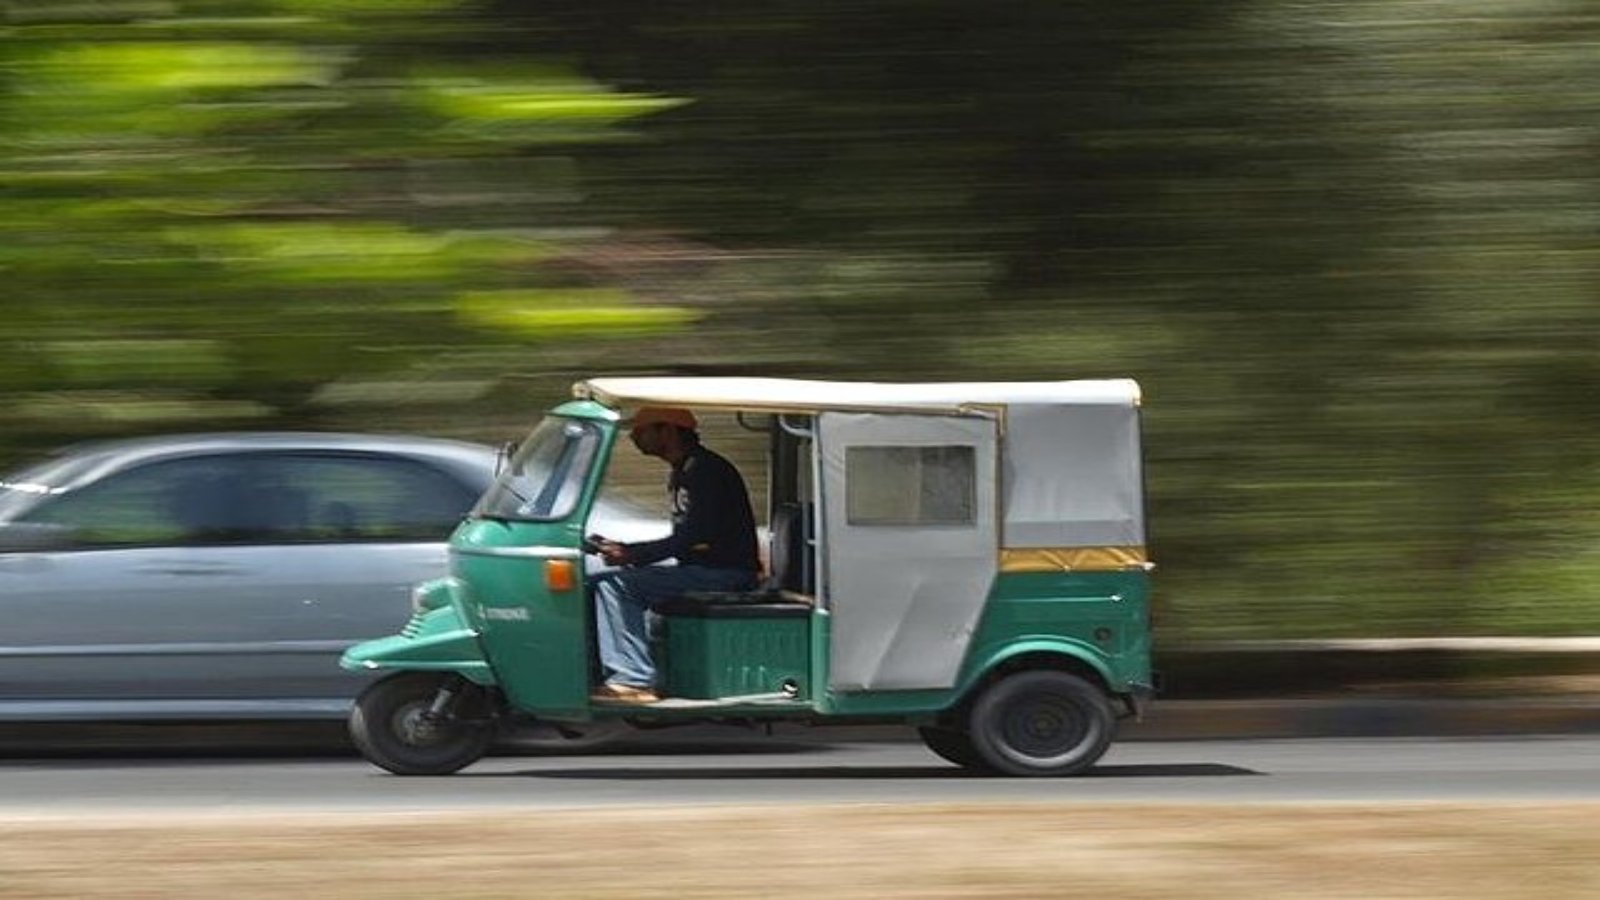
910,609
437,639
1094,623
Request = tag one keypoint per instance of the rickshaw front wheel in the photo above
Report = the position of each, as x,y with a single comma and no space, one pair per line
1041,722
408,724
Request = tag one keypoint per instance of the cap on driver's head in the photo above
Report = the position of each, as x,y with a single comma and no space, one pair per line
663,415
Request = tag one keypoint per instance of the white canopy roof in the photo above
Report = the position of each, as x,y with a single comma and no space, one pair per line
797,395
1070,450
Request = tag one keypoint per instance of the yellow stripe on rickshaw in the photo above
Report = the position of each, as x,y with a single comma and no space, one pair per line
1072,559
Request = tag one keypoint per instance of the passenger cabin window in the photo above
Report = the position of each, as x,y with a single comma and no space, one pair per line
911,485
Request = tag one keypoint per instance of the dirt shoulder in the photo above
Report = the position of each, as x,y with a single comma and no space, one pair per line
1302,851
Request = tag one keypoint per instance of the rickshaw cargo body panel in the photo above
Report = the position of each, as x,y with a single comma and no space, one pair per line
737,649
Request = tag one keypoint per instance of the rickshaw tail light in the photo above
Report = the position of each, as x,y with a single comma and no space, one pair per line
560,574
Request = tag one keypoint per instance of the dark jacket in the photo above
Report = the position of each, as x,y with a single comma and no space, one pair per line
712,524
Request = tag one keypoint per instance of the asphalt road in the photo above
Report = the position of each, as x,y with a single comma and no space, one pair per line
775,771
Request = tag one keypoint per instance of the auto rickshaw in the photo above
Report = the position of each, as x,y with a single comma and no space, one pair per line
966,558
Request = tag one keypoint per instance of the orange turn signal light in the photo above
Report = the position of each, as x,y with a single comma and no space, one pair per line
560,574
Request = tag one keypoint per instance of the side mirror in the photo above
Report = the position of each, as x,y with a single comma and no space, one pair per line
504,457
33,537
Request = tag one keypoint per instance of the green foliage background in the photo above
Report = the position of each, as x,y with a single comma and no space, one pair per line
1347,247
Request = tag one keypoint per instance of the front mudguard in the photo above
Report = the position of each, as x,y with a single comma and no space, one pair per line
435,640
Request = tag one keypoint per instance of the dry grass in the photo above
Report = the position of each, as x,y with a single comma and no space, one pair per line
823,852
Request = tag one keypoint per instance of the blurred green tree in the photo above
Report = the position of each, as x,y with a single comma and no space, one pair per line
213,211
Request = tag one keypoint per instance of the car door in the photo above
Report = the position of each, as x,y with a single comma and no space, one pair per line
224,582
374,525
123,614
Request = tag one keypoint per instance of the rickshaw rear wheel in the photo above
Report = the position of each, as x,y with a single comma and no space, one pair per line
952,745
394,727
1041,722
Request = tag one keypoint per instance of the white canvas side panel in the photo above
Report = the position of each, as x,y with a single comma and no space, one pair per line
1073,477
912,533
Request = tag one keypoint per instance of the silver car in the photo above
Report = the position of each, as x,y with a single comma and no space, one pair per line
220,576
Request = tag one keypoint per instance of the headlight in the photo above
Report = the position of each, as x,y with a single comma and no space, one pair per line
428,595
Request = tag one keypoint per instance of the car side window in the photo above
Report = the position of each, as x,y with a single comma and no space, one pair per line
263,498
185,501
356,497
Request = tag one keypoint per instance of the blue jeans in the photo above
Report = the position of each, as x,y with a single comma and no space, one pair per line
623,597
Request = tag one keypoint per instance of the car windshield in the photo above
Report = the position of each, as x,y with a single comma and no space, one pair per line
544,478
22,489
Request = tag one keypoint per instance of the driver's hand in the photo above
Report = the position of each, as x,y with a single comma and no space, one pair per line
613,553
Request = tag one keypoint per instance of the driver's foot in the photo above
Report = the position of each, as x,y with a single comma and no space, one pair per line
624,693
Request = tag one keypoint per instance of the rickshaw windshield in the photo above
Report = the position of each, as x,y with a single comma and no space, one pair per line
544,478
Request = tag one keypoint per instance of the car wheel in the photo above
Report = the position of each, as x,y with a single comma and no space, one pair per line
392,728
953,746
1041,722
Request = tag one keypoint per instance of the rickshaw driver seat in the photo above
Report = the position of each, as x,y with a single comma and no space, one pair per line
786,580
790,541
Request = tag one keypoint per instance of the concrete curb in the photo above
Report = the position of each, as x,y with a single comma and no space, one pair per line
1536,645
1406,667
1365,717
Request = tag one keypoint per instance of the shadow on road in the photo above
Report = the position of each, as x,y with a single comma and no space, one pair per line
242,743
1179,770
829,773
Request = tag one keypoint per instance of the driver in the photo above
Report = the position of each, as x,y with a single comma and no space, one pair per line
713,540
